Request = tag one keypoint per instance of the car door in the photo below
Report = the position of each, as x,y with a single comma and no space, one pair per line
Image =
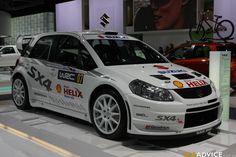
71,80
8,56
38,72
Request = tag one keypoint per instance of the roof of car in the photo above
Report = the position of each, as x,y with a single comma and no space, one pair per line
80,33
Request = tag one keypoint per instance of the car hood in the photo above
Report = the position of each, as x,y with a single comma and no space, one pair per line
165,75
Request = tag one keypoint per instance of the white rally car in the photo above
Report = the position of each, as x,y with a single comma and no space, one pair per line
116,82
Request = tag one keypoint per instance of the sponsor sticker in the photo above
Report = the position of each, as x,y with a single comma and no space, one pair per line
160,66
141,106
58,88
169,119
203,131
196,83
178,84
71,76
69,92
171,71
40,78
112,36
154,127
166,118
141,115
72,92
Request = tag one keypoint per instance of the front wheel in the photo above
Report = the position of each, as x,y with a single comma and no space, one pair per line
108,114
20,94
225,29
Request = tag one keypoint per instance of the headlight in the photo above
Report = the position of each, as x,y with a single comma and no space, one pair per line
149,91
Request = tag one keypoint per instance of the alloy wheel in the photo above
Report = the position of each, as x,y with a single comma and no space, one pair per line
18,92
106,114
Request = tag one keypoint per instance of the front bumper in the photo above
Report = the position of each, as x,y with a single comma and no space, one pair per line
181,117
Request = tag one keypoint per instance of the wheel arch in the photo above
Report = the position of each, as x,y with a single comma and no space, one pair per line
107,86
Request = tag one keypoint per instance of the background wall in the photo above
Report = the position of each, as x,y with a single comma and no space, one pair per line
163,38
113,8
226,9
30,24
69,16
5,23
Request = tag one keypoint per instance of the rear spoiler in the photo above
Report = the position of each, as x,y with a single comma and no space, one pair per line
22,42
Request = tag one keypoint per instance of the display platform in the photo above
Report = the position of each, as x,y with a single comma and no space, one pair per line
40,132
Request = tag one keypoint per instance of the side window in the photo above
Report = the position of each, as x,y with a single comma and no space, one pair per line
88,62
8,50
201,51
42,48
71,52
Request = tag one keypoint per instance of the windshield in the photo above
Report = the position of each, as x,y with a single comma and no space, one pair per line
122,52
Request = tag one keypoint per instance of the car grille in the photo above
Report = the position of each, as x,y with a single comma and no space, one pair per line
198,92
201,118
203,108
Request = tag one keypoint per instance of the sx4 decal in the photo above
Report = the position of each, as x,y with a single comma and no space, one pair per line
38,77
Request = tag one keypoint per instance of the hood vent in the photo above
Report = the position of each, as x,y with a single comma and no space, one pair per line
161,77
183,76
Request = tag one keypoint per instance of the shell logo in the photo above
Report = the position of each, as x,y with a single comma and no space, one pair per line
58,88
178,84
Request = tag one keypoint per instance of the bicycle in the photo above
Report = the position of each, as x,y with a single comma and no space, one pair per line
224,28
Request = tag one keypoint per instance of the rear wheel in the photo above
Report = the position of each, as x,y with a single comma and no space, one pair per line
108,114
20,94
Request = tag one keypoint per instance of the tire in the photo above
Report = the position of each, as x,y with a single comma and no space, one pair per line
108,114
197,34
20,94
225,34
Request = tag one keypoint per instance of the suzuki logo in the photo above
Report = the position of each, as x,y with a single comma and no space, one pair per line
105,20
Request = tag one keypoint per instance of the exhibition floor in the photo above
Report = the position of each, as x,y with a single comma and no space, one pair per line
43,133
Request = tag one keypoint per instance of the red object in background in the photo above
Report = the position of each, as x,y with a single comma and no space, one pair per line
196,57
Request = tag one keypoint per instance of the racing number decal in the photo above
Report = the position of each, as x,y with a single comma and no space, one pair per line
80,78
38,77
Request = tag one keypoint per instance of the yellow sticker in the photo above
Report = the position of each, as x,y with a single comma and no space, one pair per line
178,84
58,88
